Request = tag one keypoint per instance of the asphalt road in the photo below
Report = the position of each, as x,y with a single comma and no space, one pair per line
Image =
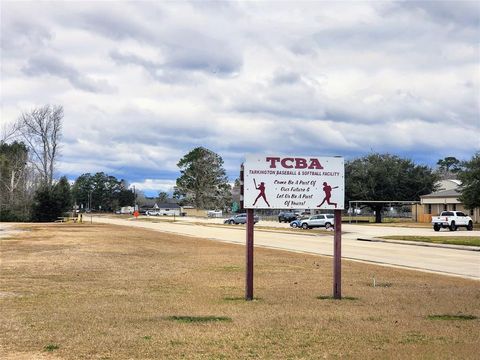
448,261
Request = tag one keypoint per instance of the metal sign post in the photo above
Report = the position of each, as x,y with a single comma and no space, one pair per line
249,255
249,242
337,256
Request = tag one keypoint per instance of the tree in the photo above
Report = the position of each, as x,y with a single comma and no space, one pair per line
8,130
81,190
203,181
125,196
45,207
162,197
63,194
448,167
470,178
14,182
236,190
101,191
384,177
41,131
51,203
13,161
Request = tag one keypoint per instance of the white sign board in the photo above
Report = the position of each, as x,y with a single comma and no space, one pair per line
294,182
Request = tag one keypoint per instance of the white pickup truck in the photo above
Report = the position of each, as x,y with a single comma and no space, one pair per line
452,220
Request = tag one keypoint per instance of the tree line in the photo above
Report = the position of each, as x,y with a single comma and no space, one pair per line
373,177
29,154
30,149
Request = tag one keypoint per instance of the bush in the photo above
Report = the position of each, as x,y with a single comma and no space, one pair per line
50,204
9,215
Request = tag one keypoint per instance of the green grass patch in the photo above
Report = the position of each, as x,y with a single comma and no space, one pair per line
230,268
51,347
413,338
451,240
373,318
451,317
199,319
328,297
176,342
380,284
6,238
371,219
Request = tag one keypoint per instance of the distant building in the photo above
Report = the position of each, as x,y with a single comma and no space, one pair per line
127,210
444,199
152,203
168,209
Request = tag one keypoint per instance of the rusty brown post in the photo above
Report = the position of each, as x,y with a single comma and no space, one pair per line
242,187
337,256
249,256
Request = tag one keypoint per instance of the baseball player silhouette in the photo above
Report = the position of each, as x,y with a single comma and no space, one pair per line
260,187
327,189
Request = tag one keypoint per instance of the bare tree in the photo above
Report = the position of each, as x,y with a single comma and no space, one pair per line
8,131
18,182
41,131
13,161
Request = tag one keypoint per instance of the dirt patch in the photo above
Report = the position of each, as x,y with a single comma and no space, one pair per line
7,294
26,356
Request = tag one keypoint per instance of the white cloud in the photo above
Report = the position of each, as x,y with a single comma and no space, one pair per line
165,185
142,83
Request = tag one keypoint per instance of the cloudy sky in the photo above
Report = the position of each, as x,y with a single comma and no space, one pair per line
142,83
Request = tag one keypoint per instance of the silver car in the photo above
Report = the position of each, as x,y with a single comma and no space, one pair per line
320,220
239,219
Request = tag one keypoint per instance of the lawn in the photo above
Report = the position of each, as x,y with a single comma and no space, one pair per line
451,240
82,291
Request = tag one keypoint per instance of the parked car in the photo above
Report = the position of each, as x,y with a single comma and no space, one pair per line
320,220
296,223
239,219
214,213
152,213
452,220
286,216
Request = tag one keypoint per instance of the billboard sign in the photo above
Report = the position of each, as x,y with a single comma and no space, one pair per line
294,182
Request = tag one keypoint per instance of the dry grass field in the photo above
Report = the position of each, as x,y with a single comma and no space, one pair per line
81,291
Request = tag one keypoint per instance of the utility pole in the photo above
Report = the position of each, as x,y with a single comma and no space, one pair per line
134,198
90,206
90,201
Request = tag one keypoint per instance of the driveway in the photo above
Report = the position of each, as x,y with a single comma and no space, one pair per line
463,263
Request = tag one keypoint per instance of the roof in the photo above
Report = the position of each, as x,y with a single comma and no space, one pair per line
160,206
148,201
168,206
444,193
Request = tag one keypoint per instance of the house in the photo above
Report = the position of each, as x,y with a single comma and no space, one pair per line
168,209
445,198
